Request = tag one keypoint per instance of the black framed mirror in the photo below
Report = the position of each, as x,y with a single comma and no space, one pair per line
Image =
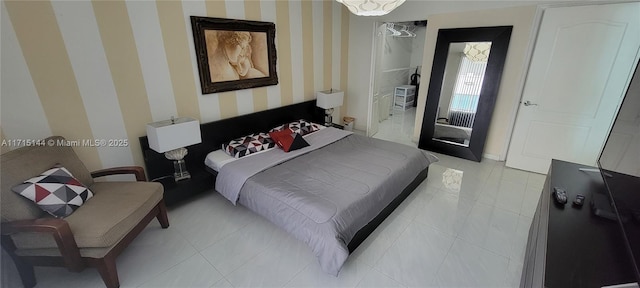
466,73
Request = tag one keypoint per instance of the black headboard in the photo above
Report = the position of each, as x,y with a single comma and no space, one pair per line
216,133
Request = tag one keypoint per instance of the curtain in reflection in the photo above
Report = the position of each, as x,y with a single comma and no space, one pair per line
462,111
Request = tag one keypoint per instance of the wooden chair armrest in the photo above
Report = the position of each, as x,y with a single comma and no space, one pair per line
136,170
45,225
60,231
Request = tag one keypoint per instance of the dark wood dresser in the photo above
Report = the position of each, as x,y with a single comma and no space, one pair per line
569,246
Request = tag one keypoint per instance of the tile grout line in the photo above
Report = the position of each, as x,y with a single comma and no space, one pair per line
214,267
295,275
172,266
443,259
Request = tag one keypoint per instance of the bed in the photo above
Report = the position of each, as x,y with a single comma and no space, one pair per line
330,204
452,133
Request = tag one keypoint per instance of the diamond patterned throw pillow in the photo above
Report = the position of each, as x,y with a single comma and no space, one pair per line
301,127
249,144
55,191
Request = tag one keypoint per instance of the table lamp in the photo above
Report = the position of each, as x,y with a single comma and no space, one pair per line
328,100
170,137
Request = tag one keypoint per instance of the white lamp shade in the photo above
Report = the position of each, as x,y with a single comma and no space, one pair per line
329,99
166,136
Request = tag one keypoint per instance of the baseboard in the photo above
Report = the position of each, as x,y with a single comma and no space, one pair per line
491,157
360,132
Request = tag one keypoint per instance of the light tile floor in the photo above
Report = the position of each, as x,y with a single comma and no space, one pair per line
465,226
398,127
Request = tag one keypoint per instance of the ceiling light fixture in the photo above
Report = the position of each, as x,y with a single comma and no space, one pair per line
371,7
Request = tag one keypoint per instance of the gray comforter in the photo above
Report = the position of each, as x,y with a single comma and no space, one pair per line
324,196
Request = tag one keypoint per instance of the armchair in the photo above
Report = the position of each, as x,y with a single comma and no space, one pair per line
93,235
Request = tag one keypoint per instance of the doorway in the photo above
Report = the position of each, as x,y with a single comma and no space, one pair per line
397,59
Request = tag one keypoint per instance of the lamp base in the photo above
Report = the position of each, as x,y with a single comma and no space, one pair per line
180,170
179,166
328,118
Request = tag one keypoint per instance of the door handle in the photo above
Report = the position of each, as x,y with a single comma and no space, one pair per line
528,103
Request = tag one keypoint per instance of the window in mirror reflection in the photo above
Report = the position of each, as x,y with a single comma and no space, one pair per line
460,94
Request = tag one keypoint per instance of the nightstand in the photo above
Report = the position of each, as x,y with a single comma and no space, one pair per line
175,192
334,125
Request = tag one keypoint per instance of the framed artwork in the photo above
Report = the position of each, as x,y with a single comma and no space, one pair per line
234,54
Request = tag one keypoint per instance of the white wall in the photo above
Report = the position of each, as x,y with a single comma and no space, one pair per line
396,58
360,46
396,52
417,47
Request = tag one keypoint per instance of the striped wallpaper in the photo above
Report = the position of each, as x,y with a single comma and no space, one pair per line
103,69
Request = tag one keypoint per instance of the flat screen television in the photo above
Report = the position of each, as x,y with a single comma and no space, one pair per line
619,165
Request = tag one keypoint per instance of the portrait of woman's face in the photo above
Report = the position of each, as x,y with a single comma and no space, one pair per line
235,55
234,51
234,43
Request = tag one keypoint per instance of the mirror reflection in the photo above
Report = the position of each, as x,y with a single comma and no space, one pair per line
463,77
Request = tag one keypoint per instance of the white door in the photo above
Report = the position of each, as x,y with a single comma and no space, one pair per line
375,117
581,66
384,107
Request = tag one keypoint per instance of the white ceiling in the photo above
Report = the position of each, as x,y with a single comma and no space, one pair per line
420,9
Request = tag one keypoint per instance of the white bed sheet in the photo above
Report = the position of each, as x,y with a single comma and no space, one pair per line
216,159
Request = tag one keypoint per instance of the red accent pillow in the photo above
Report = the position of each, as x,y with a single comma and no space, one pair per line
288,140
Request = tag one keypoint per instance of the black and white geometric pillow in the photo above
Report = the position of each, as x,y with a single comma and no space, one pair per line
55,191
249,144
301,127
315,127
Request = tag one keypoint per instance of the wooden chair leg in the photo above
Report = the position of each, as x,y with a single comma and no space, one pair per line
162,215
107,269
